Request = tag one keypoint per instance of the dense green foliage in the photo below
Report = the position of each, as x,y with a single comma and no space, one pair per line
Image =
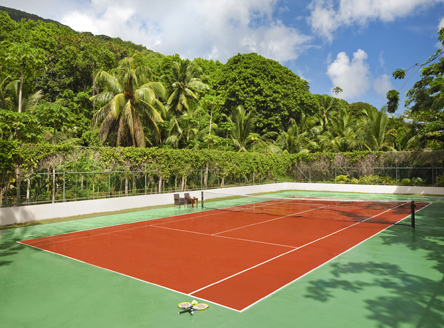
61,87
425,98
271,91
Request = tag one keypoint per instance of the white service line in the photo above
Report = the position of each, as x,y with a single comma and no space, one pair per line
327,262
281,217
114,231
314,241
207,234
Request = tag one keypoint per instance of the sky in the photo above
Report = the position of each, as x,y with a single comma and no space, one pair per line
353,44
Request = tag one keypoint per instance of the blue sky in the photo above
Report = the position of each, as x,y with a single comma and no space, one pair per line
353,44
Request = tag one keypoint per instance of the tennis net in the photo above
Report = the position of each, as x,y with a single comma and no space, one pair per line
352,210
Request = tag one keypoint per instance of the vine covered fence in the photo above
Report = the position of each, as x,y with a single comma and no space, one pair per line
42,174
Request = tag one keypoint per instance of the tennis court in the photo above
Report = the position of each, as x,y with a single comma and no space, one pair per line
239,254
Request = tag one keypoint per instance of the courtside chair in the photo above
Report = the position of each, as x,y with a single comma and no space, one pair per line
186,196
179,201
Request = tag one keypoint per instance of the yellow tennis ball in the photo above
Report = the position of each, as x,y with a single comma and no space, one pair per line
194,302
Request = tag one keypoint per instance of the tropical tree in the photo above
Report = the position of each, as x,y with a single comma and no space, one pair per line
294,140
129,100
243,127
341,134
25,60
11,99
264,86
56,117
425,99
327,108
374,129
185,83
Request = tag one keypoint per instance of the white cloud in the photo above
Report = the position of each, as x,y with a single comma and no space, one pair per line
383,84
381,59
352,76
326,18
194,28
441,24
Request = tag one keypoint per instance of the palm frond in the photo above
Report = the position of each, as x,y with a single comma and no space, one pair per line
158,88
109,82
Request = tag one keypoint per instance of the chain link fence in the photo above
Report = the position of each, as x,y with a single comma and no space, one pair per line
52,186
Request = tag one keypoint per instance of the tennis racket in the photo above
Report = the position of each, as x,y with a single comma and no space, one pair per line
191,307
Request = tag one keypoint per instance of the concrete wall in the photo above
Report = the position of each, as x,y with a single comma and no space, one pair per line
374,189
21,214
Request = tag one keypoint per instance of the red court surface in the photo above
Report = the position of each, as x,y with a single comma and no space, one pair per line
240,258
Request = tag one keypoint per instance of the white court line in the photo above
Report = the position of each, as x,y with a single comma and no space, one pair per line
112,232
314,241
281,217
190,294
207,234
328,261
125,275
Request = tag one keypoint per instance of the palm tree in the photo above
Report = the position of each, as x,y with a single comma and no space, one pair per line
326,107
341,135
129,100
374,128
293,140
185,83
243,127
29,101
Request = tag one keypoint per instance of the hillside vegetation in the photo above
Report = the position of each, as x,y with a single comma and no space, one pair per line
59,86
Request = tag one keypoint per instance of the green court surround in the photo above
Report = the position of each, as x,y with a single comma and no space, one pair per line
394,279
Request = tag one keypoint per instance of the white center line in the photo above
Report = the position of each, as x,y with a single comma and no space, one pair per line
264,262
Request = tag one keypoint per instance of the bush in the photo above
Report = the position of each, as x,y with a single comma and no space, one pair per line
405,182
387,180
369,179
417,181
342,179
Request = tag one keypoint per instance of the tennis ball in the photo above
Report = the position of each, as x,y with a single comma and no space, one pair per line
194,302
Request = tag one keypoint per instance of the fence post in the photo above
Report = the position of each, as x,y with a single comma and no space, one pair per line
64,200
109,184
335,174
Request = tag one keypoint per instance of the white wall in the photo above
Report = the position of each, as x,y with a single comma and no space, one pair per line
374,189
21,214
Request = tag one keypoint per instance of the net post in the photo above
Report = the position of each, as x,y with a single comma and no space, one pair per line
412,207
201,199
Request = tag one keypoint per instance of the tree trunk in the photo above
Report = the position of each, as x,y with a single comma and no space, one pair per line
17,184
2,192
28,188
223,181
20,92
209,132
126,186
134,185
183,183
206,177
160,185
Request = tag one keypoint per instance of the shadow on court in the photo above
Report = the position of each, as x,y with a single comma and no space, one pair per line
405,291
